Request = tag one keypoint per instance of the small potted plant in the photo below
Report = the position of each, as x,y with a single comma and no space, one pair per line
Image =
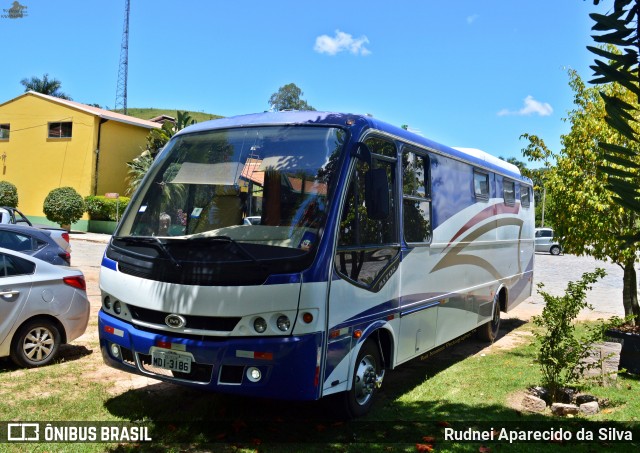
627,334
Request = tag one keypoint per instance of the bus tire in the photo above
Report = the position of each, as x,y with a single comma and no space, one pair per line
489,330
359,399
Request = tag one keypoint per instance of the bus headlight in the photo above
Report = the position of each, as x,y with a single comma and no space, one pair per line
115,350
283,323
260,325
117,307
254,374
107,303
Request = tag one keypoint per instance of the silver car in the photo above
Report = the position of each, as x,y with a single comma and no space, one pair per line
41,306
545,242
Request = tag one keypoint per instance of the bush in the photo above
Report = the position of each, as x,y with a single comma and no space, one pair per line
63,205
103,208
562,351
8,194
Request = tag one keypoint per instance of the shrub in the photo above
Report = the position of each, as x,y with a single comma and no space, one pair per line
100,207
8,194
562,350
64,206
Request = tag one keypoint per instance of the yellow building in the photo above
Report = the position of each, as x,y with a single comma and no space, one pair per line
48,142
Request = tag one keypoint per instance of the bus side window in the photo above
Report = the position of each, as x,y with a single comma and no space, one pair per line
416,198
481,185
366,247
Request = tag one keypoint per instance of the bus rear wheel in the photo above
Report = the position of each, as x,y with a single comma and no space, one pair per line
489,331
359,399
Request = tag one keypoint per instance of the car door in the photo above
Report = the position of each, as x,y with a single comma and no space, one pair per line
543,240
16,277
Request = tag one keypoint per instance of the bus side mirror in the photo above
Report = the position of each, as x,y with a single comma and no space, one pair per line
376,194
362,152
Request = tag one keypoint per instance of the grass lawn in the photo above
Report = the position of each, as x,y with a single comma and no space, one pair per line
462,388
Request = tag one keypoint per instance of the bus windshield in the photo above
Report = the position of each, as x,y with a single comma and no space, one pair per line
262,186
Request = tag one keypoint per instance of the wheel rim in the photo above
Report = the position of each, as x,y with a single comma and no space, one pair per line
555,250
38,344
365,380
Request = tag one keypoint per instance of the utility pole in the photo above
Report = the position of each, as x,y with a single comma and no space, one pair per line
123,68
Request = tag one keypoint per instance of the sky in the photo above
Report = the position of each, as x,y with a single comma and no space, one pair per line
469,73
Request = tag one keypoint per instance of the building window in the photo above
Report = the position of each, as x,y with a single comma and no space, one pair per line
525,199
481,185
60,130
4,131
509,192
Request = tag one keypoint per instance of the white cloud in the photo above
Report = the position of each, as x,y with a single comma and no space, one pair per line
531,107
471,19
342,42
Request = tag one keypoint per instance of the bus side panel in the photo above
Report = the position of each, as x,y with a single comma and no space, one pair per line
351,308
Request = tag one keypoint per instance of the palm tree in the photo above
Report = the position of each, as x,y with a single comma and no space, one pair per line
44,85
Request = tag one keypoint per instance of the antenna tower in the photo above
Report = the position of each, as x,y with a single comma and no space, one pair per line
123,69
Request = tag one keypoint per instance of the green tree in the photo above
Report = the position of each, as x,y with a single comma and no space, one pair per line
618,32
156,140
288,98
44,85
583,211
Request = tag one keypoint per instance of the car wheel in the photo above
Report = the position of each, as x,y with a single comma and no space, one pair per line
489,331
359,399
35,344
555,250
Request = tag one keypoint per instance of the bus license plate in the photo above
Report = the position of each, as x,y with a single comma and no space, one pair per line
171,360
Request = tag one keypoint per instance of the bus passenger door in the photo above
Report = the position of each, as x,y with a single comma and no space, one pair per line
365,285
419,303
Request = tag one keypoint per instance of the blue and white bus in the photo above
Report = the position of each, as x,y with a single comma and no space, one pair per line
297,255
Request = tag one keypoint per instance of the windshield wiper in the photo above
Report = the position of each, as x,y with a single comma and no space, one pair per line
229,240
151,240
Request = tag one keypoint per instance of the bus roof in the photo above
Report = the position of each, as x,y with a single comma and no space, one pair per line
360,122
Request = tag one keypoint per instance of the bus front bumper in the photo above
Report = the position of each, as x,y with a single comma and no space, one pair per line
270,367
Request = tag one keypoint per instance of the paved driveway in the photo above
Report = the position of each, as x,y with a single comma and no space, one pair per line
556,271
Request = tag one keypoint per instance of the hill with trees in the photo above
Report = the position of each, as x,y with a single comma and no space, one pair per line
148,113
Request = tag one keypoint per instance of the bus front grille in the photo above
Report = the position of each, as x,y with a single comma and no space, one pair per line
213,323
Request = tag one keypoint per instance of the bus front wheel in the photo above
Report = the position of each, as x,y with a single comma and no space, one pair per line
367,379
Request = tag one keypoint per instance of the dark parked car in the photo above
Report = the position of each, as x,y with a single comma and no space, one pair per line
9,215
34,242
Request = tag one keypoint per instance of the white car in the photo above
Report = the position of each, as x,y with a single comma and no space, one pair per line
41,307
252,220
545,241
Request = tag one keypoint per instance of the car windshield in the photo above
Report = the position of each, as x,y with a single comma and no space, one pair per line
268,186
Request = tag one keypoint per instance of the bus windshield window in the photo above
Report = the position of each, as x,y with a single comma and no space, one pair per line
262,185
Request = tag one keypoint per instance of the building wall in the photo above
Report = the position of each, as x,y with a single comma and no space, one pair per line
119,144
36,164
